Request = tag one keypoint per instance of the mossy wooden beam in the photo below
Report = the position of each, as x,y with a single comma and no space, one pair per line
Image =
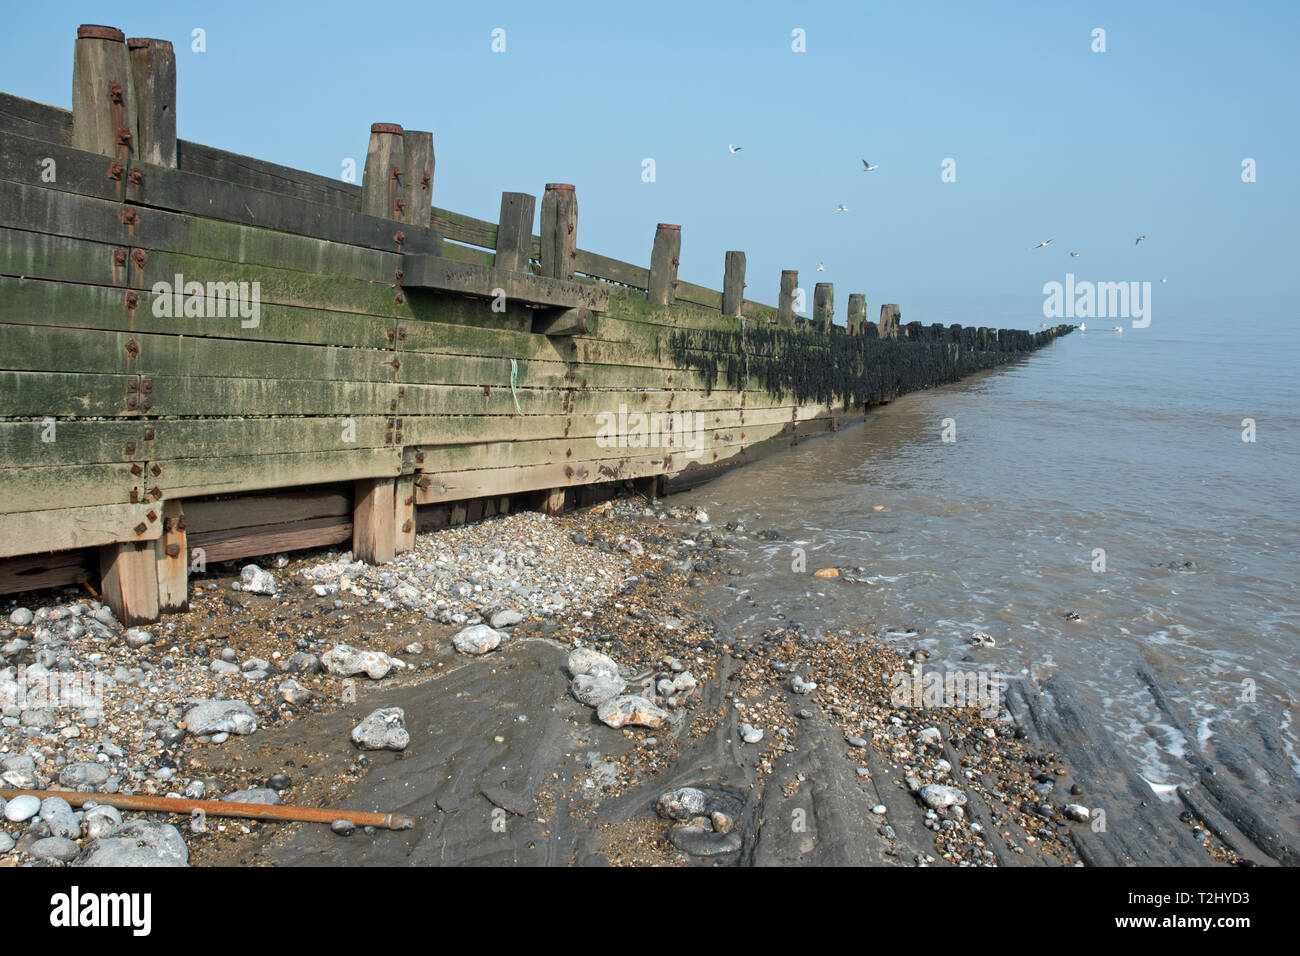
439,274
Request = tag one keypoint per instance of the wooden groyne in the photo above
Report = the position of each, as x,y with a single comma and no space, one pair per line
205,356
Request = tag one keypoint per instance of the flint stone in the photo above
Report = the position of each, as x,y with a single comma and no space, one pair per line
55,848
631,710
264,795
221,717
300,662
20,617
137,843
583,660
136,637
294,693
507,618
256,581
101,820
684,803
84,775
22,809
344,660
594,690
385,729
938,796
478,639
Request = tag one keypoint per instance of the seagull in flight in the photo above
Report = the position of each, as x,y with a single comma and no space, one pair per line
1138,239
867,167
1164,280
1045,242
821,267
734,149
841,208
1074,255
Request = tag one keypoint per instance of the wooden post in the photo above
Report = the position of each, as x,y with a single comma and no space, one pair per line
374,537
663,264
515,231
173,560
785,304
383,191
103,107
404,514
153,71
889,316
129,579
552,502
857,313
733,284
559,231
417,167
823,305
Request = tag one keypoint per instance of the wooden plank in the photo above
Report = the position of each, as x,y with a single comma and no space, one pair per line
663,264
67,487
383,187
459,253
153,74
83,526
374,537
265,176
698,295
208,515
467,229
440,274
552,501
404,513
733,283
103,110
418,165
515,232
245,542
38,121
193,477
564,322
31,572
129,581
559,239
603,267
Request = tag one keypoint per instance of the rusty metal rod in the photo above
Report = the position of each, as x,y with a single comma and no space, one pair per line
219,808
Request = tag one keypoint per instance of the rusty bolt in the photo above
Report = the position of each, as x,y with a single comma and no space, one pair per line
146,405
397,365
115,93
136,177
131,404
148,434
137,469
399,273
155,469
139,257
391,333
173,550
132,348
406,525
169,525
141,528
392,406
399,237
181,523
115,170
675,260
119,257
419,458
396,173
129,449
132,300
128,216
425,180
135,495
401,333
399,299
155,492
400,204
123,136
152,515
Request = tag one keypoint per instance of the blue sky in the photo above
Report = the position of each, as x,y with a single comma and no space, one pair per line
1050,139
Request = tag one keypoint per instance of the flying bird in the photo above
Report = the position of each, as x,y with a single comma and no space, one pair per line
1164,280
1045,242
1138,239
734,149
841,208
821,267
867,167
1074,255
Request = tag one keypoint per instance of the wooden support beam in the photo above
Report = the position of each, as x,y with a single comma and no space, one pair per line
441,274
383,189
559,234
823,306
552,501
153,71
417,169
173,560
889,316
129,581
785,304
103,108
503,505
663,264
515,231
564,322
373,533
733,284
857,313
651,485
404,513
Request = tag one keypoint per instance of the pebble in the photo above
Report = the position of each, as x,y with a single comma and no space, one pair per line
685,803
344,827
55,848
506,618
478,639
83,776
220,716
257,581
937,796
384,729
750,734
22,809
594,689
344,660
631,710
138,842
20,617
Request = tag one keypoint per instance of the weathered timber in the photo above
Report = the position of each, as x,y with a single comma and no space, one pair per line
663,264
173,560
374,538
439,274
889,316
823,306
515,231
857,313
404,513
383,184
244,542
77,526
559,239
103,107
30,572
733,283
129,579
210,515
785,304
153,72
417,165
564,322
612,270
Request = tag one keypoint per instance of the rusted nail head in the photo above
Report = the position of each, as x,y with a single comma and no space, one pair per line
94,31
393,128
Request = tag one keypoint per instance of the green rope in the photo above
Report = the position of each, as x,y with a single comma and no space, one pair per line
514,380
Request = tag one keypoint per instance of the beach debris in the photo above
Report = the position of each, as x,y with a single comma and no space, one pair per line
827,573
631,710
980,639
750,734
